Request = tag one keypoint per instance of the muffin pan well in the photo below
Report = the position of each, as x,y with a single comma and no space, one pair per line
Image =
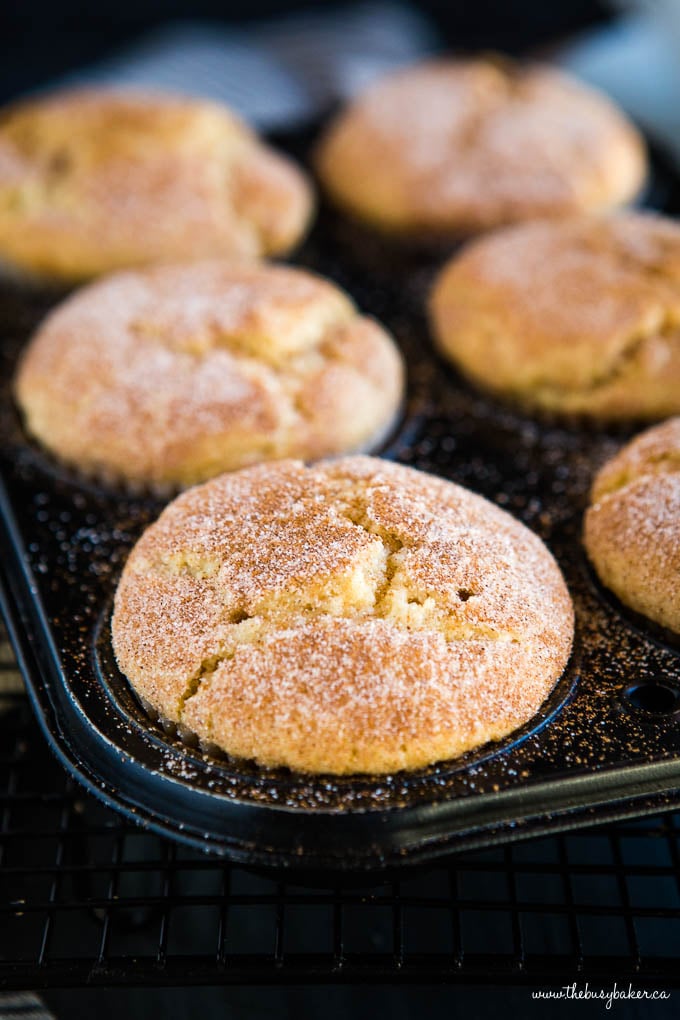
606,745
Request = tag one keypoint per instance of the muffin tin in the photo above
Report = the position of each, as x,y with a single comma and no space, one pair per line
606,744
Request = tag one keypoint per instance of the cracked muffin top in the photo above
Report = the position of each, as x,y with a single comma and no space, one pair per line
92,181
354,616
454,147
632,526
167,376
579,317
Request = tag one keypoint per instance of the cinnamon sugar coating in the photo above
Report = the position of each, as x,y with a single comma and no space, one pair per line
167,376
449,148
96,180
580,317
354,616
632,527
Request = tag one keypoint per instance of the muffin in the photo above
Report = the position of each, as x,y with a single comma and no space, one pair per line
94,180
450,148
578,317
354,616
166,376
632,526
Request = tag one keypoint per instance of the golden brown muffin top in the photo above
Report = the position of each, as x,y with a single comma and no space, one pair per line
632,528
92,180
565,311
464,145
176,373
654,452
353,616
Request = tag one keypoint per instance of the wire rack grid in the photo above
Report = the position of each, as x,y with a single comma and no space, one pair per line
89,899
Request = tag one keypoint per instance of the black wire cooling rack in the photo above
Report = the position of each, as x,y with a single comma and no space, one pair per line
89,899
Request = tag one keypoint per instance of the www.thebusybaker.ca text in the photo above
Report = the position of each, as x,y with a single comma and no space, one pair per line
606,995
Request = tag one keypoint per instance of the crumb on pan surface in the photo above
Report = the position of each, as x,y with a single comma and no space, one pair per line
576,317
632,526
460,146
97,180
354,616
173,374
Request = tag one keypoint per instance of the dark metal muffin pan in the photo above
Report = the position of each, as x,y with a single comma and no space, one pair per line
606,745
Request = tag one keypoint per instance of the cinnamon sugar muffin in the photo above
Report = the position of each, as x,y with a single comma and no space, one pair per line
95,180
632,527
580,317
354,616
167,376
453,147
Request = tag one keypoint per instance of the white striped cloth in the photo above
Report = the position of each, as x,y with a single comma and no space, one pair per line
23,1006
280,74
